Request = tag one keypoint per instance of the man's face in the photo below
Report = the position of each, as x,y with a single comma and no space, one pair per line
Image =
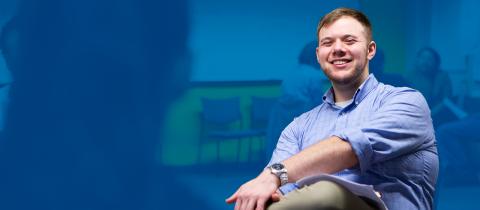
344,51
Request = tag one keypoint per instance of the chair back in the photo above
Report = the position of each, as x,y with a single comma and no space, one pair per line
261,109
221,112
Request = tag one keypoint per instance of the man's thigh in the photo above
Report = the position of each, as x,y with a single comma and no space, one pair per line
323,195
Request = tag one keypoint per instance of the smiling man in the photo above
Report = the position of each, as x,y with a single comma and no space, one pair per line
364,132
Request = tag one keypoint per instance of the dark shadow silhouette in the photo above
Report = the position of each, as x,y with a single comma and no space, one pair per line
91,90
8,48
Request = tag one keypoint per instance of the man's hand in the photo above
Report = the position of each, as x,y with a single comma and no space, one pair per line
254,194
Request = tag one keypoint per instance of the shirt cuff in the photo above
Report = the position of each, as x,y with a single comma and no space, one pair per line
286,188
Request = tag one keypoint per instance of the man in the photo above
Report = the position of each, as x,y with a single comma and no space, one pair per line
364,132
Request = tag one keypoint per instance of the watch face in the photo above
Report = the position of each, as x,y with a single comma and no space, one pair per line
277,166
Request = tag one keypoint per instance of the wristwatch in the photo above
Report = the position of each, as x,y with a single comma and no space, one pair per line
280,171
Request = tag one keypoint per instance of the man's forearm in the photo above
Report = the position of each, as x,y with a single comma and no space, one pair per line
328,156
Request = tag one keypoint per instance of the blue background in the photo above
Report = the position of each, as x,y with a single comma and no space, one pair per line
104,108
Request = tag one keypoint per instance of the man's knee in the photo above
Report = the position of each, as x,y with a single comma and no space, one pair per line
321,195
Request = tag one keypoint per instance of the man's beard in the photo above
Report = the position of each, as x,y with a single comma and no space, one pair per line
350,78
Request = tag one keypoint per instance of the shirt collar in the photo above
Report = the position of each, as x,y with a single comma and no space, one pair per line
367,86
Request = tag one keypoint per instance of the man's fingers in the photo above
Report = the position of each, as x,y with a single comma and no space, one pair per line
275,197
250,204
243,204
232,198
238,204
260,204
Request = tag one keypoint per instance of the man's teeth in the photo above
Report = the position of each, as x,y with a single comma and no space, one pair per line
339,62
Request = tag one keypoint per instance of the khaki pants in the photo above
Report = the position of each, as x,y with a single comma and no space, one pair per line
323,195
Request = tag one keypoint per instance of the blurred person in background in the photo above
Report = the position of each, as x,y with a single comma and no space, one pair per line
376,67
92,87
302,90
8,48
433,83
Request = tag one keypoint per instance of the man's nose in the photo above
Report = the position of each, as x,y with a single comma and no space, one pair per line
338,48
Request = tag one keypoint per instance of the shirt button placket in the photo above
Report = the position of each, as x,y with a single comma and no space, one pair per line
341,119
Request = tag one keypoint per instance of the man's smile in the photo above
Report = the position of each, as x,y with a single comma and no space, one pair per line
340,62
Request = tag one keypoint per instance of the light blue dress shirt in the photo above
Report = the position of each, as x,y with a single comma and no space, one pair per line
390,131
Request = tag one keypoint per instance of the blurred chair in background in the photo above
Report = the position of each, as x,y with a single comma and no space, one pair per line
221,120
260,115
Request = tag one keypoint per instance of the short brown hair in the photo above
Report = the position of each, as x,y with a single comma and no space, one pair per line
336,14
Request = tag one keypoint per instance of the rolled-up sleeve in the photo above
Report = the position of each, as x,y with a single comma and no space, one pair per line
288,144
400,126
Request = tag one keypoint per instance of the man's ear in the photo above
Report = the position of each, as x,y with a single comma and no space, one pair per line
371,50
316,53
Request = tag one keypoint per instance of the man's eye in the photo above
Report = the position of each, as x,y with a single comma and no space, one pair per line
326,43
350,41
